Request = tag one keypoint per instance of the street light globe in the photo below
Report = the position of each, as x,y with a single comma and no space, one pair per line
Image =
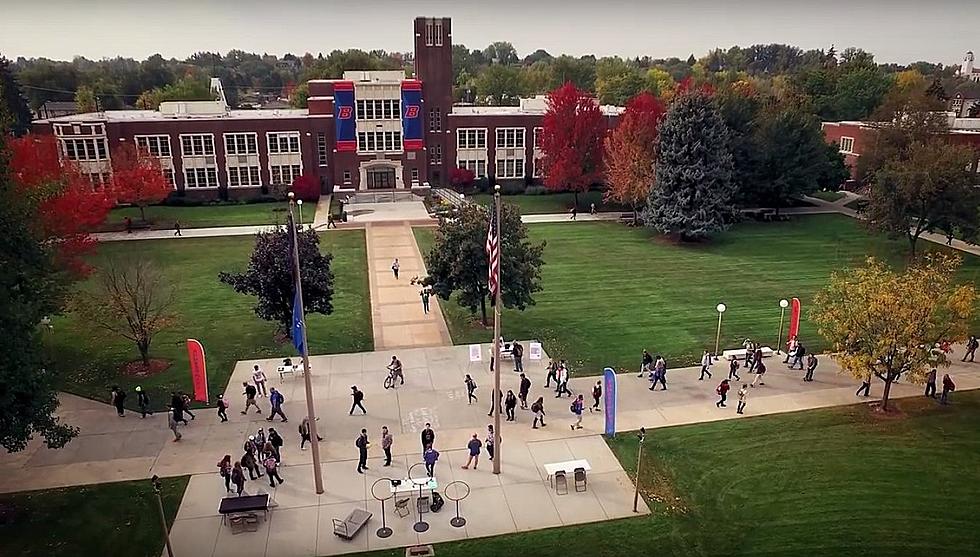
721,308
783,303
300,202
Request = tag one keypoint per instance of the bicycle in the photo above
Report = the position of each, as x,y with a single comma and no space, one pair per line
393,375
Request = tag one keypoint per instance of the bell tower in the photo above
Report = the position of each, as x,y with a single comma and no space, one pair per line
434,68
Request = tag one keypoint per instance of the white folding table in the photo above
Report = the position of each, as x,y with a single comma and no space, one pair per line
567,467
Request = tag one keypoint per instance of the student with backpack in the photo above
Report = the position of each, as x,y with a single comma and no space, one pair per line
517,351
222,408
224,470
722,391
596,396
538,408
733,369
578,405
470,389
742,394
948,387
811,364
277,442
276,400
272,470
523,391
238,478
760,370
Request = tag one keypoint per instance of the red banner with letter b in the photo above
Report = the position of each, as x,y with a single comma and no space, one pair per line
199,370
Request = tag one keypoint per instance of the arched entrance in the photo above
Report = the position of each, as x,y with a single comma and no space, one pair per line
381,175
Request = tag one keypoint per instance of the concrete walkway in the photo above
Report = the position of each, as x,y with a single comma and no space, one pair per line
322,215
397,314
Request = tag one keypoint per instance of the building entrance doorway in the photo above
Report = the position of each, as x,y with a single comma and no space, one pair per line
381,178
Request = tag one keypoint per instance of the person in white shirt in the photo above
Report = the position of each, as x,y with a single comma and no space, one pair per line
705,363
258,377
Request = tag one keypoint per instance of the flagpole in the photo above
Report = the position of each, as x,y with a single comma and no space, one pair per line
496,340
310,409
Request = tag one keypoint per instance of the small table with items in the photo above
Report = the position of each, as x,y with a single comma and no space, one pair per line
290,368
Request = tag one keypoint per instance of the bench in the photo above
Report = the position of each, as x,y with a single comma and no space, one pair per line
739,353
243,504
350,526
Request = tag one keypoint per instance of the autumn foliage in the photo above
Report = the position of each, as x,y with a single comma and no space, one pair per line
461,177
65,203
137,178
571,140
630,151
307,188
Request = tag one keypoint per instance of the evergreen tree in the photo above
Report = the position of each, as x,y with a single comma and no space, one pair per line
15,116
693,190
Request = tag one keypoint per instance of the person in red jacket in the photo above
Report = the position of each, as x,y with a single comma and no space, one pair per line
722,391
948,386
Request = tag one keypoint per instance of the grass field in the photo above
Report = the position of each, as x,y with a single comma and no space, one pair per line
119,519
829,196
837,482
204,216
214,314
550,203
609,291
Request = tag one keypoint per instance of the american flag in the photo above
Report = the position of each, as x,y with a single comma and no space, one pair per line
493,254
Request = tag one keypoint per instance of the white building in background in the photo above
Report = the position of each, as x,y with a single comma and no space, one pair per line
967,70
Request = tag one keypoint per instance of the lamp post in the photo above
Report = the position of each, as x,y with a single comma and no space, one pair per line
721,310
299,203
157,488
783,304
641,437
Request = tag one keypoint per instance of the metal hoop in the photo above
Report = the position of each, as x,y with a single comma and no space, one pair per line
457,521
384,531
421,525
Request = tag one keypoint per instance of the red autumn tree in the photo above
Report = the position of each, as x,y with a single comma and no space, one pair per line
138,178
630,152
461,177
65,203
571,141
307,188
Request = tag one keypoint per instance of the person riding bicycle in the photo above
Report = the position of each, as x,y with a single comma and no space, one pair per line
395,371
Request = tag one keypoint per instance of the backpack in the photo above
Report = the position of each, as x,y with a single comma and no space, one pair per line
718,390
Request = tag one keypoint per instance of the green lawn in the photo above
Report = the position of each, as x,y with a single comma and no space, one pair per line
204,216
829,196
550,203
120,519
213,313
834,482
609,291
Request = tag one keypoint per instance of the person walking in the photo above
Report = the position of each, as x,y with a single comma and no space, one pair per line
304,433
117,397
760,370
500,401
591,208
172,424
277,442
424,294
259,378
474,446
395,266
272,470
564,374
931,383
596,396
250,398
362,445
756,359
248,459
790,349
552,374
538,408
143,401
865,388
129,225
177,228
386,441
276,400
659,374
705,364
224,470
222,408
948,387
259,442
428,436
574,211
358,397
489,443
749,347
238,478
742,394
430,456
971,348
578,405
722,391
646,364
470,389
517,351
524,389
177,406
811,364
185,405
396,370
798,356
733,369
510,403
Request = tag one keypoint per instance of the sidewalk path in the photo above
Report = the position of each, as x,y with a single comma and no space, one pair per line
396,307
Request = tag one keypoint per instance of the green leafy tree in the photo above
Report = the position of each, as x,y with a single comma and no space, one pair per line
458,263
185,89
693,193
34,287
501,52
15,116
269,276
85,99
928,189
500,85
580,71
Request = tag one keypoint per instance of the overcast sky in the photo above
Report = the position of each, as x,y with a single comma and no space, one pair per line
894,30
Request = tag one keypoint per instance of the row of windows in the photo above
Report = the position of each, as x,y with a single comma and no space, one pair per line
433,33
284,174
283,142
471,138
477,166
241,144
379,109
372,142
85,149
435,120
238,176
510,168
196,145
155,145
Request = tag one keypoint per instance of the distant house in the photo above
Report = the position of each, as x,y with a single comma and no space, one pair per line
55,109
967,70
962,103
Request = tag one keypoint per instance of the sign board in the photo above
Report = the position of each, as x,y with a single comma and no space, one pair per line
609,398
534,348
476,353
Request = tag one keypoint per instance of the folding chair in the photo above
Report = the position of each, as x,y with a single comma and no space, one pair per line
561,481
580,479
401,507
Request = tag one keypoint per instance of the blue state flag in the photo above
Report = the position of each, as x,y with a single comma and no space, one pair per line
298,325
